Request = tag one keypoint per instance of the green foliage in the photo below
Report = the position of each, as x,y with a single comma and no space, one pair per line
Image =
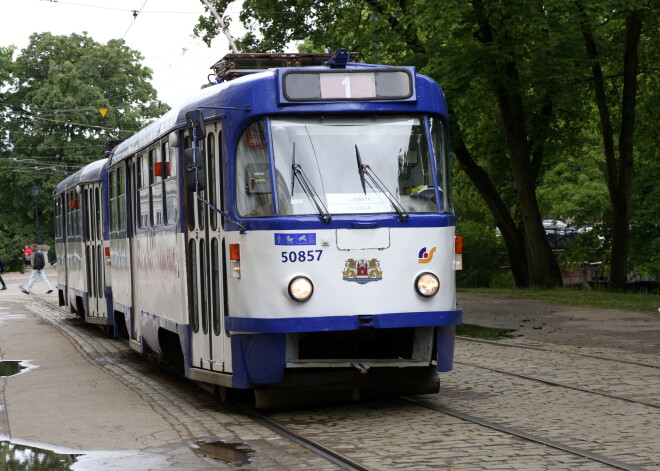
483,255
536,54
5,64
585,247
574,190
50,125
645,220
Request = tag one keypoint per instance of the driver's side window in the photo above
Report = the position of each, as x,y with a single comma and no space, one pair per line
254,194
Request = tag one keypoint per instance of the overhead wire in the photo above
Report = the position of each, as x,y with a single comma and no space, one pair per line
135,15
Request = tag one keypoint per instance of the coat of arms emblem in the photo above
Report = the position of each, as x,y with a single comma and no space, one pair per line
362,271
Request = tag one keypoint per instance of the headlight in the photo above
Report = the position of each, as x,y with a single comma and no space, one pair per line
301,289
427,284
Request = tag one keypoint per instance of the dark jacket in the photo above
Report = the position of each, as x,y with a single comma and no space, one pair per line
38,260
2,266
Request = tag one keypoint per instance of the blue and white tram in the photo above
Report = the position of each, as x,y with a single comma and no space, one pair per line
81,244
291,229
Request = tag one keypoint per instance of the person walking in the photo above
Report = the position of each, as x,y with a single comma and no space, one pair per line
2,270
27,257
38,265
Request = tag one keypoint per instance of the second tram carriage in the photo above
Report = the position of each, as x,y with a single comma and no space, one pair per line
290,229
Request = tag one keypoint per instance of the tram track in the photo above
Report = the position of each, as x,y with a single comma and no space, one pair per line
333,456
524,435
553,350
342,461
349,464
555,383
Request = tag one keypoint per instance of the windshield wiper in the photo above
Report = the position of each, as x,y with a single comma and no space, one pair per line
308,188
365,171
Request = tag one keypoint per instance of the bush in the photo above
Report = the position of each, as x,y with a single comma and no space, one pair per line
483,255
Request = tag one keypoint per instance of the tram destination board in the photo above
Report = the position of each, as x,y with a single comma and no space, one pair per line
393,84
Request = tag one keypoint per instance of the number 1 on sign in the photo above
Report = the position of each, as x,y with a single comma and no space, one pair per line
347,86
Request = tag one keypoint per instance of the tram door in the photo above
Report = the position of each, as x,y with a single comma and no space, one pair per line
133,177
94,258
205,258
61,248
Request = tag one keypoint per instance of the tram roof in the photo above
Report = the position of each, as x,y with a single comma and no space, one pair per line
176,117
236,92
89,173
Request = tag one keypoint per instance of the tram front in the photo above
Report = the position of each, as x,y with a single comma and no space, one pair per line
341,273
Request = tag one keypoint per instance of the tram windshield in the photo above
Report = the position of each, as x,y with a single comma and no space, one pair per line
327,154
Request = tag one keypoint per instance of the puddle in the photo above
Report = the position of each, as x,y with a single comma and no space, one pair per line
30,458
10,368
14,367
234,453
480,332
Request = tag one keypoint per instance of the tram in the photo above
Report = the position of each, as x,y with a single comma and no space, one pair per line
81,244
287,230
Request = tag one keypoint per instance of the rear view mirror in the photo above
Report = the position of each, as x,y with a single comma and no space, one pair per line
195,173
196,126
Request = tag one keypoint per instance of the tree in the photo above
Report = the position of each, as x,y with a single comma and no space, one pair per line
399,33
515,77
5,64
620,100
51,124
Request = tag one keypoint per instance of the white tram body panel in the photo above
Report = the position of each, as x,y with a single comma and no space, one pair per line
355,272
159,271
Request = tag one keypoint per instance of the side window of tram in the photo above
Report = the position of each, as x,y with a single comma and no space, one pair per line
112,197
73,215
156,183
121,198
211,178
171,210
87,220
58,218
190,197
254,194
441,152
144,210
117,201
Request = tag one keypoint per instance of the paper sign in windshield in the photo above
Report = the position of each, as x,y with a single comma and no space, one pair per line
352,203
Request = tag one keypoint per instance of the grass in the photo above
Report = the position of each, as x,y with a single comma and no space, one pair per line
480,332
594,298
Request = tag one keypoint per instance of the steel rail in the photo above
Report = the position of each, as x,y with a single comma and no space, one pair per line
525,436
315,447
528,347
554,383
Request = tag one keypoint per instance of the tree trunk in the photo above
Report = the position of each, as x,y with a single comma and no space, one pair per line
542,265
515,245
619,171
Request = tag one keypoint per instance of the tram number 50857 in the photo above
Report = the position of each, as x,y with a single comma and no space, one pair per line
301,256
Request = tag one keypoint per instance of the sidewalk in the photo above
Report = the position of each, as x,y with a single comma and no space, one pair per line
17,280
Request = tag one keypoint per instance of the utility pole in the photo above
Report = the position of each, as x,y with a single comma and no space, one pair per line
223,26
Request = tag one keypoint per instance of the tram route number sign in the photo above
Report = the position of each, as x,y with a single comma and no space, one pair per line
393,84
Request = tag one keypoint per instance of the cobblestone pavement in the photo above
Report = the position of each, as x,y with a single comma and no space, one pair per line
418,439
396,435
